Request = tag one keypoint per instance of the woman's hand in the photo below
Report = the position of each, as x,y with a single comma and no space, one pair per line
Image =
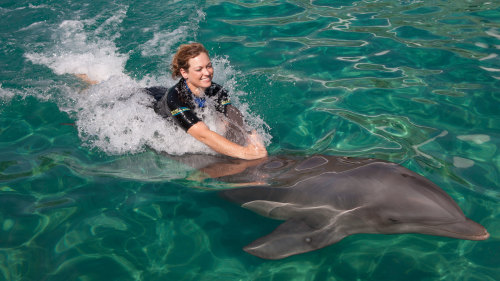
254,150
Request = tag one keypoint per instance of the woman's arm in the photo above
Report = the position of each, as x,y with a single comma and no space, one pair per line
254,150
227,168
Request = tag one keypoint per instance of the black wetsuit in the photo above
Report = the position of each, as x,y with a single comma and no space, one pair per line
180,103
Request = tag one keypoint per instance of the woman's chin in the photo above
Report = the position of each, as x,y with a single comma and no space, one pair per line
206,84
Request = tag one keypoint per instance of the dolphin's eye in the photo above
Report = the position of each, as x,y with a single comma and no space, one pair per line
394,220
408,176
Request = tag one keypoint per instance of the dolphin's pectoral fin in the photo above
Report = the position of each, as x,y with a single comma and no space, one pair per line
316,217
266,208
292,237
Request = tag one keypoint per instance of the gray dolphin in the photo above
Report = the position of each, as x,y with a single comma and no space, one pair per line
326,198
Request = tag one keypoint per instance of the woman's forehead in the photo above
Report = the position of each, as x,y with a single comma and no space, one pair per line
201,60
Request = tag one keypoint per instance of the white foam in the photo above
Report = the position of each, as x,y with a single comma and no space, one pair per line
116,117
5,94
41,6
35,25
162,41
76,53
226,75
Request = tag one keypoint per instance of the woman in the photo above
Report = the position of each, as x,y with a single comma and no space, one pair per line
192,65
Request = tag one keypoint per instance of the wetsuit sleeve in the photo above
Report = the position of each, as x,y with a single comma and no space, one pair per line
180,111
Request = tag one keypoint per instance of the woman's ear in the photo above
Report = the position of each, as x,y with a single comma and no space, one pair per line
183,73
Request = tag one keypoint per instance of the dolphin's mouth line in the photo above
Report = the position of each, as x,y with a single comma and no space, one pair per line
482,236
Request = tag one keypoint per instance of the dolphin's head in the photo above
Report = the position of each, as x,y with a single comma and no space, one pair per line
426,223
414,204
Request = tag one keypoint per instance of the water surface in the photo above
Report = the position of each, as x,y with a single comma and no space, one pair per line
87,193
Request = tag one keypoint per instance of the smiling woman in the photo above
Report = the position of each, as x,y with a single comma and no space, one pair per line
190,94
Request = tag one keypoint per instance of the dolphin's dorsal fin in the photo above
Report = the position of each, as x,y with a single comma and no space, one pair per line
292,237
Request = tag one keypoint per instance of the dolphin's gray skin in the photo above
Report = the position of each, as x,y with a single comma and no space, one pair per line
326,198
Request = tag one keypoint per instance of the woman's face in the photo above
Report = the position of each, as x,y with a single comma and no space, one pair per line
200,72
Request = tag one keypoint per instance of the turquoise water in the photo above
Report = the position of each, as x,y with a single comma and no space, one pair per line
86,192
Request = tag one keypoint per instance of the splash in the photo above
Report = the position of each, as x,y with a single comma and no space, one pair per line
78,53
163,41
5,94
116,116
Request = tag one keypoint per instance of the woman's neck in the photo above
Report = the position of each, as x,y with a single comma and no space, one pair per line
197,91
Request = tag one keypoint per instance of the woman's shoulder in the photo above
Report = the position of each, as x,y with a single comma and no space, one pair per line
173,92
176,96
157,92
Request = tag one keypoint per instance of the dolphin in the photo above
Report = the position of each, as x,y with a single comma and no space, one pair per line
323,199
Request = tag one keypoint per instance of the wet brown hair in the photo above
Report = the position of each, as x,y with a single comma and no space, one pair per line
184,54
